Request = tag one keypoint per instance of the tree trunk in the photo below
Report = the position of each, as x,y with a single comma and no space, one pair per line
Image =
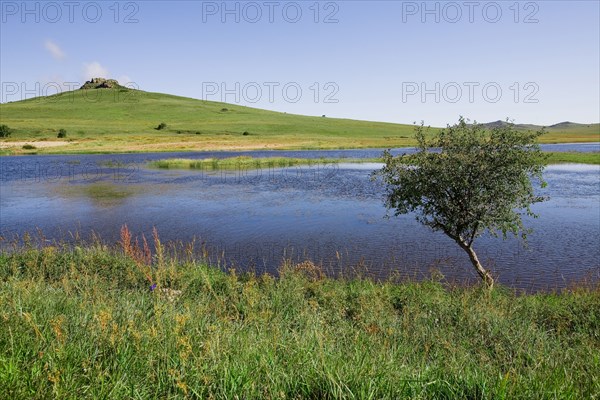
482,272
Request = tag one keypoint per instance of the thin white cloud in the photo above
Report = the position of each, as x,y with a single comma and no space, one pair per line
54,49
94,70
124,79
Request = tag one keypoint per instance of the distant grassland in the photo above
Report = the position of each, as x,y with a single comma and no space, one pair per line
108,120
122,120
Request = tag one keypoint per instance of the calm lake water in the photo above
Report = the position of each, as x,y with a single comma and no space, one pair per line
330,214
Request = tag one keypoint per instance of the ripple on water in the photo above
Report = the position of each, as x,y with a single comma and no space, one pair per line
333,216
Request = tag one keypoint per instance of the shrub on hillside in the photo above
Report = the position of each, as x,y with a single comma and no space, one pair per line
5,131
161,126
62,134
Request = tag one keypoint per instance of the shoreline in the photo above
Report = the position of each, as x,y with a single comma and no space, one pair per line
47,147
555,157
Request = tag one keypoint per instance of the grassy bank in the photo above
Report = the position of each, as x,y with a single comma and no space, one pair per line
246,162
83,323
122,120
573,157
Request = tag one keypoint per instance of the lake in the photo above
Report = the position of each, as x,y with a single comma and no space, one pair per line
330,214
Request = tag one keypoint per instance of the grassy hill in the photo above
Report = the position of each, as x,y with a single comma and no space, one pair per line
562,132
122,120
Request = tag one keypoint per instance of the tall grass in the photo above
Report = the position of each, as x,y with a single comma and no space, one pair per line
241,162
247,162
132,321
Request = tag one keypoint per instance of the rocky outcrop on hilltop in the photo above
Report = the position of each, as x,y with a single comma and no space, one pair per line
101,83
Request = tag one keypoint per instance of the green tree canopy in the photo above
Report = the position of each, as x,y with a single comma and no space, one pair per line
465,179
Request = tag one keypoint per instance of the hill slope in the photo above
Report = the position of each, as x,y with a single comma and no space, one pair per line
125,120
566,128
117,120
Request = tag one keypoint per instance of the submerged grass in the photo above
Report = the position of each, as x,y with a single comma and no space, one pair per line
101,193
82,322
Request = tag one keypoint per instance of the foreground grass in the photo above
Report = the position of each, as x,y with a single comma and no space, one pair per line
128,119
82,323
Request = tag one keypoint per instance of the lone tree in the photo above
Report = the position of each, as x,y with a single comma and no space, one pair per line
466,180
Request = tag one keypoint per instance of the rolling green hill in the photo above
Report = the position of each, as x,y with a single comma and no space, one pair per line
589,132
122,120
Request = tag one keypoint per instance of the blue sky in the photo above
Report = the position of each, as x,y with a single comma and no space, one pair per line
534,62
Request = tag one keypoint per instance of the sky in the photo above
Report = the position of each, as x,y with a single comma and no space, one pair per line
395,61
